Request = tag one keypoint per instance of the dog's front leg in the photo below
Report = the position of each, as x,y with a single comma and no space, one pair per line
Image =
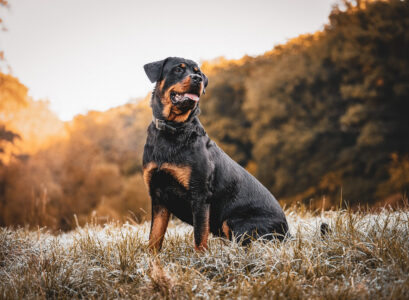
159,224
201,213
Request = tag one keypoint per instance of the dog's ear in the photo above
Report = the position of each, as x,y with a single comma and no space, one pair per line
154,69
205,82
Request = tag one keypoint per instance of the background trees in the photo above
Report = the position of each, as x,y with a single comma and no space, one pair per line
323,116
323,112
86,169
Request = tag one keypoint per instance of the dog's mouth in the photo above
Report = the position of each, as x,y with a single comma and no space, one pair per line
181,97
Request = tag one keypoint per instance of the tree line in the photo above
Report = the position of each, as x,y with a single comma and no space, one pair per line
325,115
319,119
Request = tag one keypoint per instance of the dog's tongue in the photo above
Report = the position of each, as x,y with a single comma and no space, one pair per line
191,96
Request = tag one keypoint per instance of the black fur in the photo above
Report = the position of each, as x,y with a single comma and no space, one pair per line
154,70
217,183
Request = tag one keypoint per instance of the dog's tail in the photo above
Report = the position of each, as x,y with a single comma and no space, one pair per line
324,230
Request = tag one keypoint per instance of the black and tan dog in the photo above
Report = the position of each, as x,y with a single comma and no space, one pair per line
189,176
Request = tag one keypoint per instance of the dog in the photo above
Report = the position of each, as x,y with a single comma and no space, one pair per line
189,176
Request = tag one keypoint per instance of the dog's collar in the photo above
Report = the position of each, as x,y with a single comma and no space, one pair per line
162,125
172,127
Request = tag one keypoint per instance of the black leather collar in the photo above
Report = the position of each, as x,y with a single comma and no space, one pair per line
172,127
162,125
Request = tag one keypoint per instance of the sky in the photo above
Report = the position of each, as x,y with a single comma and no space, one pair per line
86,55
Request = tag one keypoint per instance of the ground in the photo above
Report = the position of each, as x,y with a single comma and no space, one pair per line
364,256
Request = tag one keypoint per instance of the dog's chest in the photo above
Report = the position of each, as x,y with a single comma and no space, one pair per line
175,157
180,173
169,186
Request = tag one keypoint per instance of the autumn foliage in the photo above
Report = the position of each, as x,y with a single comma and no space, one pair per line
60,175
320,119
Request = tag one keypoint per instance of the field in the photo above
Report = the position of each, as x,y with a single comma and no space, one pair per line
365,255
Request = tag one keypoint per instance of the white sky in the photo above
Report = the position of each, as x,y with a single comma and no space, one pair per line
89,54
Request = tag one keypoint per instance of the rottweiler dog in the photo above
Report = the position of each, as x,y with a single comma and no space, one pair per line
189,176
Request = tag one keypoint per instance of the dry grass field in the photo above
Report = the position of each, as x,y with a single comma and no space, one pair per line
365,256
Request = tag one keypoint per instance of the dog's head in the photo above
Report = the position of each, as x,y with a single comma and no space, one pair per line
179,85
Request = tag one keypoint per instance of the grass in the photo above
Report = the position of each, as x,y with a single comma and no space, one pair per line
364,256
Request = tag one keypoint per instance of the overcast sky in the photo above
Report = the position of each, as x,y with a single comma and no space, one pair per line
89,54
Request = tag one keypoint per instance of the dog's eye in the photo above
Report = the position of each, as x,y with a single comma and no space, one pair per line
178,70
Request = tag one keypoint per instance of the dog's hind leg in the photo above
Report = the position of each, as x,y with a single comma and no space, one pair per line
246,230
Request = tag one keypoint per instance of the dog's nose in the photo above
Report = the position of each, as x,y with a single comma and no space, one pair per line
196,78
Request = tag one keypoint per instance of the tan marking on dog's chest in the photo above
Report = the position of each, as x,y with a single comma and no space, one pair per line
147,172
180,173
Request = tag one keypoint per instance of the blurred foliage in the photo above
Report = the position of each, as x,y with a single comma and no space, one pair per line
13,95
324,112
318,119
88,168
